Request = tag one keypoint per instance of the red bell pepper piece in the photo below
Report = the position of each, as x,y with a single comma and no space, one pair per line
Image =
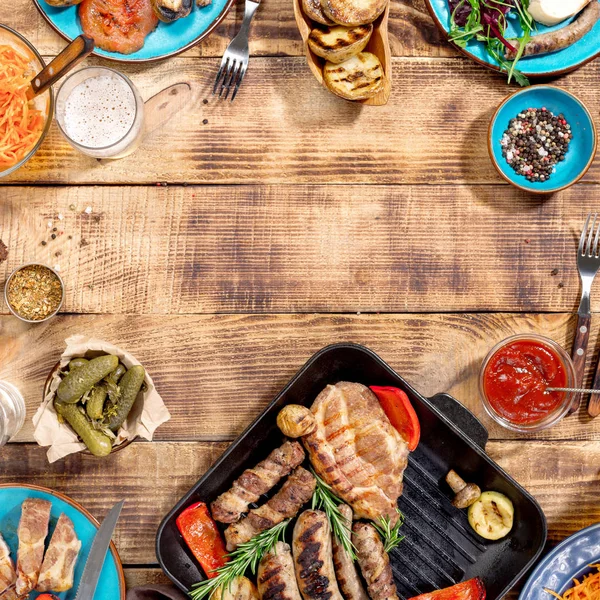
47,597
473,589
203,537
400,412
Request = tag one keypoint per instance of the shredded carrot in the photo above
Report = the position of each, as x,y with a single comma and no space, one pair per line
21,125
586,589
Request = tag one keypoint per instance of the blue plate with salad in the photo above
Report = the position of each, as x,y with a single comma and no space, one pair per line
523,38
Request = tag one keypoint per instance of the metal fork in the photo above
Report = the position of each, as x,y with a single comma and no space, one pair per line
235,60
588,262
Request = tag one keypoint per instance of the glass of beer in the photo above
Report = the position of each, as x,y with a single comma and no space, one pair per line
100,112
12,411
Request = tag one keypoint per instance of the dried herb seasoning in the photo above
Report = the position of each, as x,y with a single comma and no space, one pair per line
34,292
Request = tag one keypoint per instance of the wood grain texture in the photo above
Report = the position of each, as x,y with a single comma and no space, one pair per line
273,33
217,372
138,475
302,249
285,128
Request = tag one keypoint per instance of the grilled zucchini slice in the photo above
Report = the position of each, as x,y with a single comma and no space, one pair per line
353,12
337,44
312,9
492,515
358,78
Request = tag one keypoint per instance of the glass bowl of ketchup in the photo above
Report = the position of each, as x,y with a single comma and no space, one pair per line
514,379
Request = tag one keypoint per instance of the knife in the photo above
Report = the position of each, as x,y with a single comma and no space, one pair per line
95,561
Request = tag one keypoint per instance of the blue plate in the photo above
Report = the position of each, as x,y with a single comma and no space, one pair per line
545,65
568,560
166,40
582,148
112,582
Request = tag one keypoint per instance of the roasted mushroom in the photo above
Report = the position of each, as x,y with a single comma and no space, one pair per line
295,421
171,10
466,493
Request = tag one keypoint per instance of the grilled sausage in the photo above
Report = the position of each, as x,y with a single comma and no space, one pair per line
561,38
345,569
276,578
296,491
374,562
313,557
253,483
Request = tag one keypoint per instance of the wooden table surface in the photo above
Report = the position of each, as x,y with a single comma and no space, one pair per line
241,238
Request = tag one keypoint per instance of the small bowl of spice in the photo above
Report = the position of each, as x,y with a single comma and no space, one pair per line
542,139
34,293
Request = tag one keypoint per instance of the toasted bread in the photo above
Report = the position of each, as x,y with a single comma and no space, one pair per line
358,78
353,12
312,9
337,44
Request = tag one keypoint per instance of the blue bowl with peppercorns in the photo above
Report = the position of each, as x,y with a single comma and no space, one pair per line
542,139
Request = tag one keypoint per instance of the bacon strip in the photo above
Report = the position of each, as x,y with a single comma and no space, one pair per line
60,559
33,529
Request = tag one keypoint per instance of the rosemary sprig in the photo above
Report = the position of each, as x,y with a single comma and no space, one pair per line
390,534
325,500
245,556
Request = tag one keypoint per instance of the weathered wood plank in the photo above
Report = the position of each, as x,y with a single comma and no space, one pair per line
216,373
135,576
152,478
303,249
284,128
274,31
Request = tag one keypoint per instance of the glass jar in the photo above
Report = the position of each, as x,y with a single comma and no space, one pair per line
12,411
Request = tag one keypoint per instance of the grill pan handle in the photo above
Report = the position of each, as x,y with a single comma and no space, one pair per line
462,418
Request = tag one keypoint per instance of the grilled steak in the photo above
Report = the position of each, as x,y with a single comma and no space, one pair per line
33,529
345,569
59,562
10,594
374,562
313,557
8,576
356,450
253,483
296,491
276,577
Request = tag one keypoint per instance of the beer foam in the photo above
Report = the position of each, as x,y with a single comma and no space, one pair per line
99,111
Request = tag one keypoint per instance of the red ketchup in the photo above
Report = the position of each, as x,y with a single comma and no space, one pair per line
516,377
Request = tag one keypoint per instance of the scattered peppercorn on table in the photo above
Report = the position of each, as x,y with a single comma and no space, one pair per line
242,237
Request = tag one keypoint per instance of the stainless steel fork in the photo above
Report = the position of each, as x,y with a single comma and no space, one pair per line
235,60
588,262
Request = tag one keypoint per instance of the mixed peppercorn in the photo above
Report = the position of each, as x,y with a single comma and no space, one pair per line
535,142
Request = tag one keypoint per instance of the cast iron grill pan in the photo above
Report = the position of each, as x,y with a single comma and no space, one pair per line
440,548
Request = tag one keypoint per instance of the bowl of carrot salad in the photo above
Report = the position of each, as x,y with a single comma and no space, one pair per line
24,123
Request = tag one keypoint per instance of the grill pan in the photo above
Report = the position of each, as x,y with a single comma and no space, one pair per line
439,548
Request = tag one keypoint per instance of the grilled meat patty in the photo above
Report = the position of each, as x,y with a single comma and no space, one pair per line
253,483
33,529
276,578
345,570
356,450
374,562
295,492
313,557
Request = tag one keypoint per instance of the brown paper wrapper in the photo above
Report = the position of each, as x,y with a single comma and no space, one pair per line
148,412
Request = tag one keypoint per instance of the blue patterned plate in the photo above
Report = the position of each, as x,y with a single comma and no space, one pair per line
568,560
112,581
166,40
556,63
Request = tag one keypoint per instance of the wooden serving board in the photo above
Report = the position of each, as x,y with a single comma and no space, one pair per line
378,44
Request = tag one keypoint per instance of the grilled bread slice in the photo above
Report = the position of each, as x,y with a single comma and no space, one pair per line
353,12
312,9
337,44
358,78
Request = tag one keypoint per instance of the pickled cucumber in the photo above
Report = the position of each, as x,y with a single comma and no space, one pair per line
97,443
95,403
130,386
116,375
76,363
81,380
